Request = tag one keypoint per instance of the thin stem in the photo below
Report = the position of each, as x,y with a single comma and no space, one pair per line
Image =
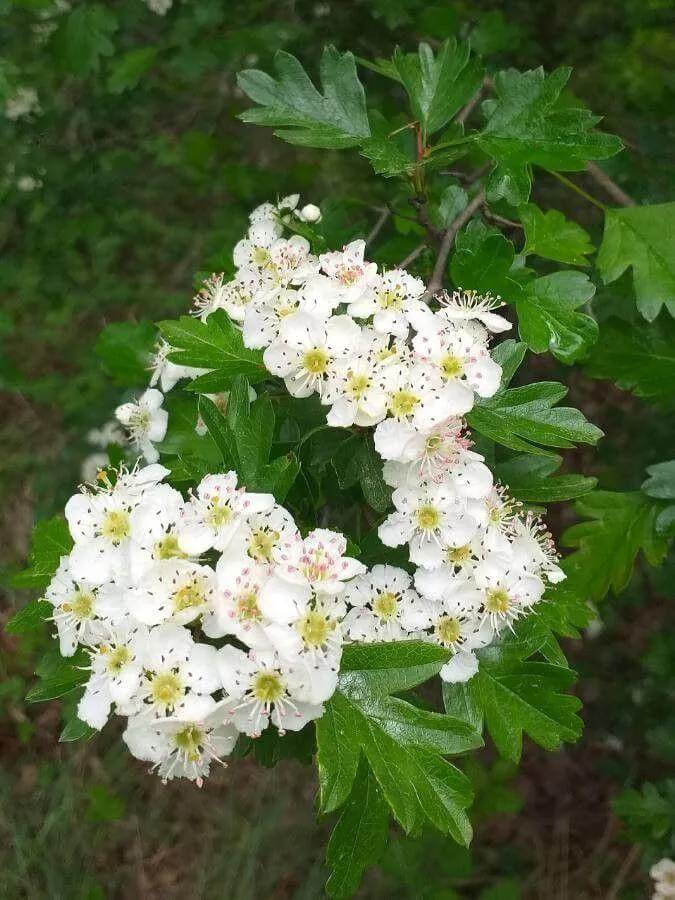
500,220
575,187
473,102
436,282
378,226
612,188
412,256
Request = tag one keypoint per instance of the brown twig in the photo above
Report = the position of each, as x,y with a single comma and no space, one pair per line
612,188
500,220
469,107
378,226
624,871
436,282
412,256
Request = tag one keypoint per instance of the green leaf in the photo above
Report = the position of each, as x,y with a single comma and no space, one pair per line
214,344
389,150
548,319
334,119
552,236
83,37
453,200
529,478
220,431
278,476
483,261
359,838
639,358
64,680
661,481
369,467
252,428
30,618
519,697
437,85
401,742
129,68
510,355
531,123
642,237
619,526
76,730
51,540
125,349
649,813
524,417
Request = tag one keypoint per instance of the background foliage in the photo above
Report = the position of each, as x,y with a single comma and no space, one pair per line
146,177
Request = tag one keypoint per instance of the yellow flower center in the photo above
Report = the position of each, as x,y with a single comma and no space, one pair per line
428,517
116,525
390,299
191,593
190,740
117,659
448,630
81,605
385,605
432,443
451,366
262,543
166,690
167,548
497,601
316,568
260,257
403,403
315,629
219,513
268,687
316,361
457,556
356,385
246,605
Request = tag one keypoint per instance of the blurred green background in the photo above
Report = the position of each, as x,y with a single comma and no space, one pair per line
133,176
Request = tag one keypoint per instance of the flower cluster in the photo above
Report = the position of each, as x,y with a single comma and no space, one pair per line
150,570
370,345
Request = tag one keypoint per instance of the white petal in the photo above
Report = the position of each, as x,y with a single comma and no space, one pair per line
461,668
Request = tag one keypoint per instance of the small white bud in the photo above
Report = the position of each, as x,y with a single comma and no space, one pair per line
310,213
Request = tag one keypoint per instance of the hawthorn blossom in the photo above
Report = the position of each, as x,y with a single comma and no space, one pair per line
384,606
350,271
145,421
393,295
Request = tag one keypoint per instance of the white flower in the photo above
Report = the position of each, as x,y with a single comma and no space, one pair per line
307,349
258,690
259,535
24,102
153,527
214,514
663,873
235,604
184,744
115,674
459,354
532,548
173,664
92,465
233,296
159,7
252,252
166,373
358,390
430,520
81,607
351,272
173,589
508,593
464,306
108,433
263,320
317,562
146,422
392,296
461,668
384,607
423,400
